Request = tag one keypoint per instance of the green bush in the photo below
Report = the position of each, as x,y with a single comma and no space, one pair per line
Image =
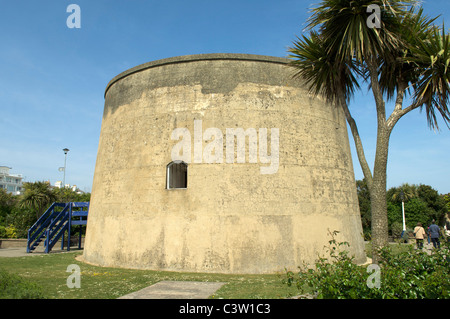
14,287
21,220
405,275
396,229
2,231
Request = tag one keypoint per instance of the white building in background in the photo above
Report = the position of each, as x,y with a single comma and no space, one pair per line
13,183
58,184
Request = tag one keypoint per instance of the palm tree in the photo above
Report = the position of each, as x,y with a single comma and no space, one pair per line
404,192
406,54
37,196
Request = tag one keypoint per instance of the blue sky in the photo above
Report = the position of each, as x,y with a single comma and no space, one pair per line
52,78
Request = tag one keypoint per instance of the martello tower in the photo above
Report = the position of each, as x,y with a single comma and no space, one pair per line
219,163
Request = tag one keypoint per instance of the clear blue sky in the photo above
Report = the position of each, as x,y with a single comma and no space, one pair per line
52,78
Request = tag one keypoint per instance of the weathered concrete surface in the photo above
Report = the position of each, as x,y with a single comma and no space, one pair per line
231,218
176,290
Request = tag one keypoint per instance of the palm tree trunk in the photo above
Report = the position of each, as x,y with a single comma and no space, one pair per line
358,143
378,194
379,182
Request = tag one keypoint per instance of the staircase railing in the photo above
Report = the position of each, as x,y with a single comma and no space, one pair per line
54,223
56,228
76,217
37,231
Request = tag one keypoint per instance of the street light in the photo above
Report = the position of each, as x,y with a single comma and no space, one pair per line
65,159
402,197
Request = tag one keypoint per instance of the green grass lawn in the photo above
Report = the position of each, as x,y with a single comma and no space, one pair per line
49,272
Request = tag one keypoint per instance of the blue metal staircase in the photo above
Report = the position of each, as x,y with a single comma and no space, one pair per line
52,225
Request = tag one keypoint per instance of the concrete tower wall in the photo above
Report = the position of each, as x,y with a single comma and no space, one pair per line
231,218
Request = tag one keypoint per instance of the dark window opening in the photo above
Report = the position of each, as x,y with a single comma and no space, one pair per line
176,175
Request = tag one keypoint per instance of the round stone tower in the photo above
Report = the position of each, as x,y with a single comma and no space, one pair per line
219,163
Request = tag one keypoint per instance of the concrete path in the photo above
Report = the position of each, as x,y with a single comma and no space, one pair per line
176,290
13,252
22,252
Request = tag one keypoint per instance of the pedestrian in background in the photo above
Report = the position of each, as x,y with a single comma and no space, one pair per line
435,233
419,233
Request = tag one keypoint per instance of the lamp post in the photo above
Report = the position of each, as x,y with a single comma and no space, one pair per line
65,159
402,197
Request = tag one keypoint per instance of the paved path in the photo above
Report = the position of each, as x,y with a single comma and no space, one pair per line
13,252
176,290
22,252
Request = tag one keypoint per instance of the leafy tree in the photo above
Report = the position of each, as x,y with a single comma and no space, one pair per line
21,219
422,204
406,191
66,195
7,203
364,206
435,203
406,54
37,196
417,210
394,211
446,199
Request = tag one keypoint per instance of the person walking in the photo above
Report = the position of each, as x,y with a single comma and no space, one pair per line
419,233
435,234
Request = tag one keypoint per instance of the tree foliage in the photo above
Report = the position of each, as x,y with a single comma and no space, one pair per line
406,54
364,207
422,204
37,196
19,212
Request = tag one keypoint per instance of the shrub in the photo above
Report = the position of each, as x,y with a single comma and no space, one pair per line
397,229
2,231
415,274
14,287
21,220
406,275
11,231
